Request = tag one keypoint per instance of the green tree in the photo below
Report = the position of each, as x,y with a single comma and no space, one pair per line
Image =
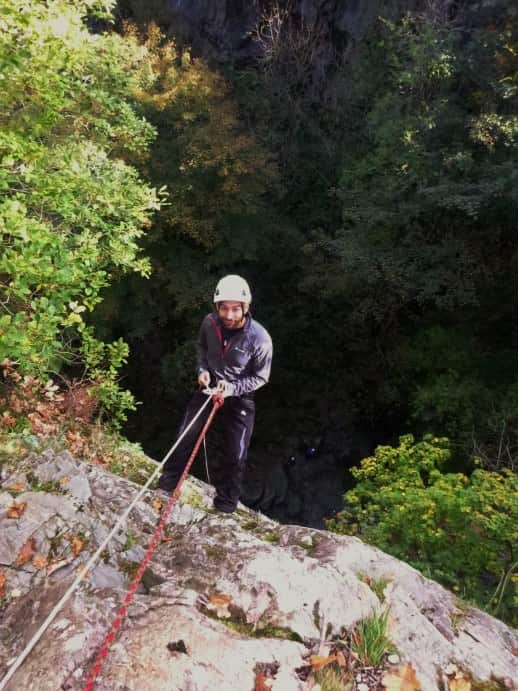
219,218
428,186
459,530
72,210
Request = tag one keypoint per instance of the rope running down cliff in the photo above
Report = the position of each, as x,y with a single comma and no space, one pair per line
84,573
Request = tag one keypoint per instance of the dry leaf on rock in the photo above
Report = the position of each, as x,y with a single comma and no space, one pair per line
77,545
220,605
64,481
157,504
319,661
3,580
262,682
40,562
18,486
459,683
16,509
7,420
26,552
402,679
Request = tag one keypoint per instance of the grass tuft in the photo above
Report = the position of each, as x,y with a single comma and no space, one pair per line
332,678
370,639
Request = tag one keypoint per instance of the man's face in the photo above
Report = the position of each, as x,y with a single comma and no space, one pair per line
231,314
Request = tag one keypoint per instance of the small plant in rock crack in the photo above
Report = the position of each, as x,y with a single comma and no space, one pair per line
376,585
131,540
369,639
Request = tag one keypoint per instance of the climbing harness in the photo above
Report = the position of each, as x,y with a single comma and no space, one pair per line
217,398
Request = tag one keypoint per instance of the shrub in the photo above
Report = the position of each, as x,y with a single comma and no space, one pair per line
457,529
72,210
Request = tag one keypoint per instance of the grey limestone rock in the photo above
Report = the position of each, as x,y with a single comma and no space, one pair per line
281,578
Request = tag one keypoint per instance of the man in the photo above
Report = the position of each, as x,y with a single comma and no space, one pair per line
234,353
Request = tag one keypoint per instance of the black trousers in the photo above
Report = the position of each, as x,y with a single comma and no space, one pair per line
236,419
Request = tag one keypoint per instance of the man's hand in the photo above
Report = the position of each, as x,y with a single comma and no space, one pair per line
225,388
204,379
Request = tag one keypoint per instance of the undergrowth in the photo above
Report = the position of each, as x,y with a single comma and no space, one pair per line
37,416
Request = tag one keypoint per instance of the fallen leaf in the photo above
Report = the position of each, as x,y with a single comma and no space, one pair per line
515,651
26,551
157,504
64,481
459,683
77,545
403,679
319,661
18,486
40,562
262,682
16,509
7,420
3,579
167,538
220,604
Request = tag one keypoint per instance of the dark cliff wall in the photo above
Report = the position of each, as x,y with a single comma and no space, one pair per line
238,30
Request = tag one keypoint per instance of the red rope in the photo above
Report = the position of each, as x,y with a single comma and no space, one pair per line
112,633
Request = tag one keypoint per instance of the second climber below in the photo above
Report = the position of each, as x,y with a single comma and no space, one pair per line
234,353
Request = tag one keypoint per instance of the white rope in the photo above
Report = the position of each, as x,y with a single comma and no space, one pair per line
84,572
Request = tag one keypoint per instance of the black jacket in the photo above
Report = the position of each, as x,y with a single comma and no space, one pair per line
246,360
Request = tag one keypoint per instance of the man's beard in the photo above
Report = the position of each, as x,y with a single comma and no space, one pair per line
232,323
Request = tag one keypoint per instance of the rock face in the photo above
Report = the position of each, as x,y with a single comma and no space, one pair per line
284,582
228,29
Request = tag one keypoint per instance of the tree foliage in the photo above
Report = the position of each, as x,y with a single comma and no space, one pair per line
71,209
428,186
459,530
427,240
218,217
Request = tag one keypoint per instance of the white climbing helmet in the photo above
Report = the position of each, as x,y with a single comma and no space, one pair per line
233,287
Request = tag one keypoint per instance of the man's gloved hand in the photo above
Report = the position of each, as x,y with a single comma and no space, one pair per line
225,388
204,379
